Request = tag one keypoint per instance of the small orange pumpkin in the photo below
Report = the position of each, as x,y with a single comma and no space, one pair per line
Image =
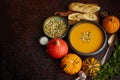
111,24
71,64
57,48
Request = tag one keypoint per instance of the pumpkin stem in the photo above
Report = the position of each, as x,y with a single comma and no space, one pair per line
90,66
57,42
111,19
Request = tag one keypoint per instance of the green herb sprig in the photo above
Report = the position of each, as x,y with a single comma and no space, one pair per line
110,68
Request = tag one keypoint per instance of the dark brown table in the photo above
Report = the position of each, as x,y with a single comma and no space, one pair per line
23,58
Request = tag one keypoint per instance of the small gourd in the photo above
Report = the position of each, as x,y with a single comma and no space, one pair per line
71,64
91,66
111,24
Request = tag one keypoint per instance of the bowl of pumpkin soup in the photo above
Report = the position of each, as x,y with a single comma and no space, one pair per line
87,38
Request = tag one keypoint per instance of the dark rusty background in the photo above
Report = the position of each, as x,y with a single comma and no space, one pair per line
23,58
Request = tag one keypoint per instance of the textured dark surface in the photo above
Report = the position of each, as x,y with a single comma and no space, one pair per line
23,58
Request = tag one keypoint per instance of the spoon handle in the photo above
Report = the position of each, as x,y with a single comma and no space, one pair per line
105,56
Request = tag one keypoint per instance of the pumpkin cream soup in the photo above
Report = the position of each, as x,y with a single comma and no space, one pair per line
86,37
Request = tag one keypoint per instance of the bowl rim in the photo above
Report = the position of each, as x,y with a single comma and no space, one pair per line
56,16
92,53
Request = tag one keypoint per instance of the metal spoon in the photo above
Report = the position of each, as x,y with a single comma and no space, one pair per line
110,42
81,76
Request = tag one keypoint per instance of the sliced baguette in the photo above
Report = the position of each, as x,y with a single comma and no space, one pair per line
84,8
82,16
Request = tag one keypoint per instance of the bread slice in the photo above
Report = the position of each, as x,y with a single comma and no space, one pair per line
75,16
